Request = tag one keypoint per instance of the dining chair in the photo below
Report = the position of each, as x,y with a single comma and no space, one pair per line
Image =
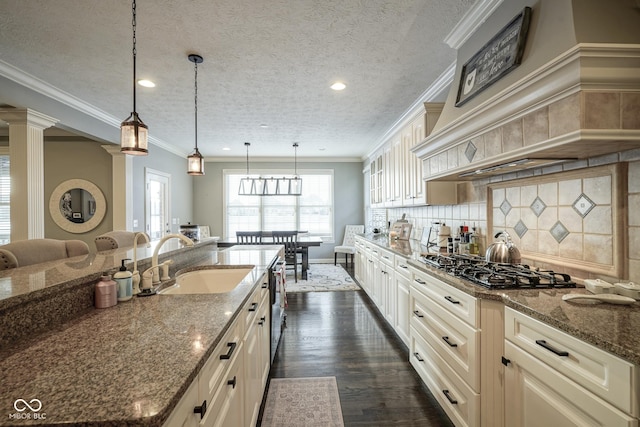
290,241
348,243
249,237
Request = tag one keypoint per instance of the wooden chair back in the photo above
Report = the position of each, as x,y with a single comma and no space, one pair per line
249,237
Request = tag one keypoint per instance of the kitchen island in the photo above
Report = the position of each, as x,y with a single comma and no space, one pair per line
126,365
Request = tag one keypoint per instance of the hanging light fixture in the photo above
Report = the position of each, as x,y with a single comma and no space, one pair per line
271,186
250,186
133,132
295,183
195,161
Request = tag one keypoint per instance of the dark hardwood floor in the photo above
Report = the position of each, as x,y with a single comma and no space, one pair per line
342,334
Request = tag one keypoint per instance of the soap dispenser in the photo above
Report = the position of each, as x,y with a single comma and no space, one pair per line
124,282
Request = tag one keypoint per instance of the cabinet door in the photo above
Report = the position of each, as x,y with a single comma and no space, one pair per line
402,307
183,415
397,158
253,373
418,134
227,406
537,395
408,183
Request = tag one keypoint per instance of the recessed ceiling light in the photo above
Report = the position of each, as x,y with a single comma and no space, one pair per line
264,126
226,149
321,149
146,83
338,86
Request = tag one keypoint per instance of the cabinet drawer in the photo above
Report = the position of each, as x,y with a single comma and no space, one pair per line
387,257
454,300
250,309
217,366
454,395
540,396
598,371
454,340
402,267
225,409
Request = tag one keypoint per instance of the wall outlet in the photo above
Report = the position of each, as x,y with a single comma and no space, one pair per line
135,223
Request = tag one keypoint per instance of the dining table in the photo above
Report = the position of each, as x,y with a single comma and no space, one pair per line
304,242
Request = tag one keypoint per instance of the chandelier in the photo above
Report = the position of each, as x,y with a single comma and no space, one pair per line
260,186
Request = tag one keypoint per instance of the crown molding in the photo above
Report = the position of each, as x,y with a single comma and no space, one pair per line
470,22
43,88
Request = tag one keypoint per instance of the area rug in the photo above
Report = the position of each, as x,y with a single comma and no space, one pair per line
299,402
322,278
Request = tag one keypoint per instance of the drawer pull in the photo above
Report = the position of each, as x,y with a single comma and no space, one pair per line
543,343
232,348
202,409
232,382
265,285
402,266
417,313
452,344
254,306
262,320
449,398
417,356
505,361
422,282
451,300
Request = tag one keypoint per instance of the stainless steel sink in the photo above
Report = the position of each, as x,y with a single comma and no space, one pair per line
215,279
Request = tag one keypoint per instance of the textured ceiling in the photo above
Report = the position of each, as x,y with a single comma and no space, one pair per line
265,62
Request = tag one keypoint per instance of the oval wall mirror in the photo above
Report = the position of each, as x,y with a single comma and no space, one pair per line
77,206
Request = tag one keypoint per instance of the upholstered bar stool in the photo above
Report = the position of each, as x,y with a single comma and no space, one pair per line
36,251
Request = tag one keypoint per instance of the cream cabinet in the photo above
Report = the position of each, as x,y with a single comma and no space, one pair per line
445,346
228,389
552,378
402,281
386,279
396,173
257,352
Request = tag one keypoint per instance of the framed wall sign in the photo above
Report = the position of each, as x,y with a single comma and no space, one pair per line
498,57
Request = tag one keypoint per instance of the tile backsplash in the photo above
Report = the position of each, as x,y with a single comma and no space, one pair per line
582,218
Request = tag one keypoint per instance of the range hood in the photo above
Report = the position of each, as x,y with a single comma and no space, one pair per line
566,101
512,166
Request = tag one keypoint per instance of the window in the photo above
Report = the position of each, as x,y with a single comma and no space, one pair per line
312,211
5,200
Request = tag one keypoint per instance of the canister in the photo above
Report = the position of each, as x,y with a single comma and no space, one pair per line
106,293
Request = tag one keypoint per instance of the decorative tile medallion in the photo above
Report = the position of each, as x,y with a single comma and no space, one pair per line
470,151
559,231
521,229
583,205
505,207
538,206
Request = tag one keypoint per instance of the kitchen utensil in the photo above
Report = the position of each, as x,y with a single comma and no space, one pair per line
610,298
504,252
599,286
630,289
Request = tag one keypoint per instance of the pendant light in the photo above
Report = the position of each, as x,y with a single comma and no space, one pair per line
295,183
195,161
250,186
133,132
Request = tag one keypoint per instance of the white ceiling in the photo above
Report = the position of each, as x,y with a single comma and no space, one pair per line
265,62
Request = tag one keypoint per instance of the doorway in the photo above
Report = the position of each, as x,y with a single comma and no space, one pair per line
157,202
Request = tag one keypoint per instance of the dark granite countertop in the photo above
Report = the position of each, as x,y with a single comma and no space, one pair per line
613,328
125,365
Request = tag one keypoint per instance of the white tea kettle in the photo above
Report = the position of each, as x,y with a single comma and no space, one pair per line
503,251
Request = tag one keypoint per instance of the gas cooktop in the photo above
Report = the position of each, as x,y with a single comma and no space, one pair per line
496,275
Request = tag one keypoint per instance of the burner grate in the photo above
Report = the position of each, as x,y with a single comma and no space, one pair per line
498,276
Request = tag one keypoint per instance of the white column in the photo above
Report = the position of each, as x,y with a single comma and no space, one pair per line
122,188
26,151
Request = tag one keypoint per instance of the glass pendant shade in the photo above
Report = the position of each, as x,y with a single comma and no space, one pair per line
295,186
195,163
134,136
